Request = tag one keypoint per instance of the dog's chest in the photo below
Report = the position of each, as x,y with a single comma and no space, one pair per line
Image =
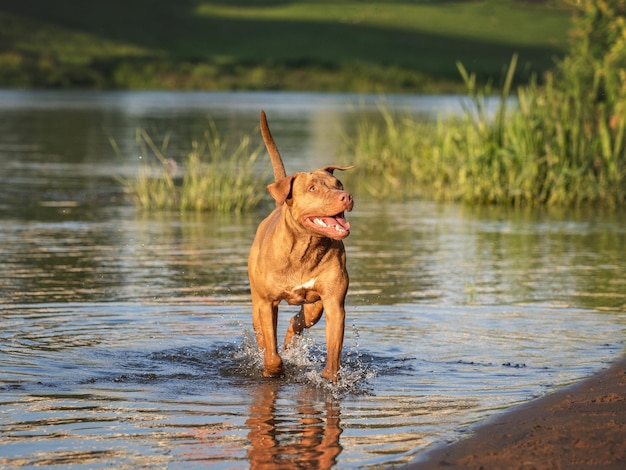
302,293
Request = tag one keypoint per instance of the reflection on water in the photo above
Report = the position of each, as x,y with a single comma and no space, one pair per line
306,437
491,255
125,256
126,337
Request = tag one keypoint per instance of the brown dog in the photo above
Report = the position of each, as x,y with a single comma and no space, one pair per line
298,256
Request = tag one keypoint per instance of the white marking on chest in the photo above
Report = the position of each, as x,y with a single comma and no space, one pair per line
307,285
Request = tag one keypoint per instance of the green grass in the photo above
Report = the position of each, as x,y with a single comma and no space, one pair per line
381,46
557,145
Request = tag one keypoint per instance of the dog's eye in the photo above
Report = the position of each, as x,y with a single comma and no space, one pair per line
312,188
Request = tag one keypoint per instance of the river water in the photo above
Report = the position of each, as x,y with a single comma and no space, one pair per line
126,339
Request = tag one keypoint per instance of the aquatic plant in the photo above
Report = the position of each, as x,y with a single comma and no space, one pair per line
215,176
560,143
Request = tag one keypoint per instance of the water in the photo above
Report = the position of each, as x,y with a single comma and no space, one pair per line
126,339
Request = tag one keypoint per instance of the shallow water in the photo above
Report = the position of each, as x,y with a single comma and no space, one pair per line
126,337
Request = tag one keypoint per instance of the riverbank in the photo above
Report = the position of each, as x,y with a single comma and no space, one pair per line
580,426
382,47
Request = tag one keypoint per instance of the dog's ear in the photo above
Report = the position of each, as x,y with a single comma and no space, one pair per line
332,168
281,190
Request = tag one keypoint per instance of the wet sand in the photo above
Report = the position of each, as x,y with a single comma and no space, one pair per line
581,426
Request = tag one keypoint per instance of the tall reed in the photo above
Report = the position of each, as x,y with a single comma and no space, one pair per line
214,176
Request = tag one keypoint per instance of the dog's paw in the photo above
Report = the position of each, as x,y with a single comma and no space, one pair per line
331,376
271,372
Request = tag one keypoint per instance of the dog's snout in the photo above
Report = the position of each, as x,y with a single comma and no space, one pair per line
346,198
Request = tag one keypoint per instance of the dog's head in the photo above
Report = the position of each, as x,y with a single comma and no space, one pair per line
316,200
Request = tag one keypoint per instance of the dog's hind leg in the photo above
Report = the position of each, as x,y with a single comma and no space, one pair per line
308,316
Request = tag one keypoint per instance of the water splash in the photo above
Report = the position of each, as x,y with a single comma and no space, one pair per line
248,356
304,361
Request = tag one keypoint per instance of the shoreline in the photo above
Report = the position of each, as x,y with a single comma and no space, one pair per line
582,425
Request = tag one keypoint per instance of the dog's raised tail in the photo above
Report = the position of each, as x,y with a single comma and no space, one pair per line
270,145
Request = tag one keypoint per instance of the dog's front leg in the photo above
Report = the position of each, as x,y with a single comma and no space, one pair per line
268,321
335,321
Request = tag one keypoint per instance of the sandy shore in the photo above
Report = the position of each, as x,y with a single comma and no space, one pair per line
582,426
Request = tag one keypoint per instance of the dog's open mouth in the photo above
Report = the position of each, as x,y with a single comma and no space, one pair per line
332,226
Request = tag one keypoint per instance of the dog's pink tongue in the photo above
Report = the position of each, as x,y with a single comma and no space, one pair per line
333,221
343,222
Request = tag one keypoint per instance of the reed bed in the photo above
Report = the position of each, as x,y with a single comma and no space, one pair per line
562,143
215,176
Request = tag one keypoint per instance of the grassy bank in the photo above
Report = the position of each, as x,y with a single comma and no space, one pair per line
343,45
